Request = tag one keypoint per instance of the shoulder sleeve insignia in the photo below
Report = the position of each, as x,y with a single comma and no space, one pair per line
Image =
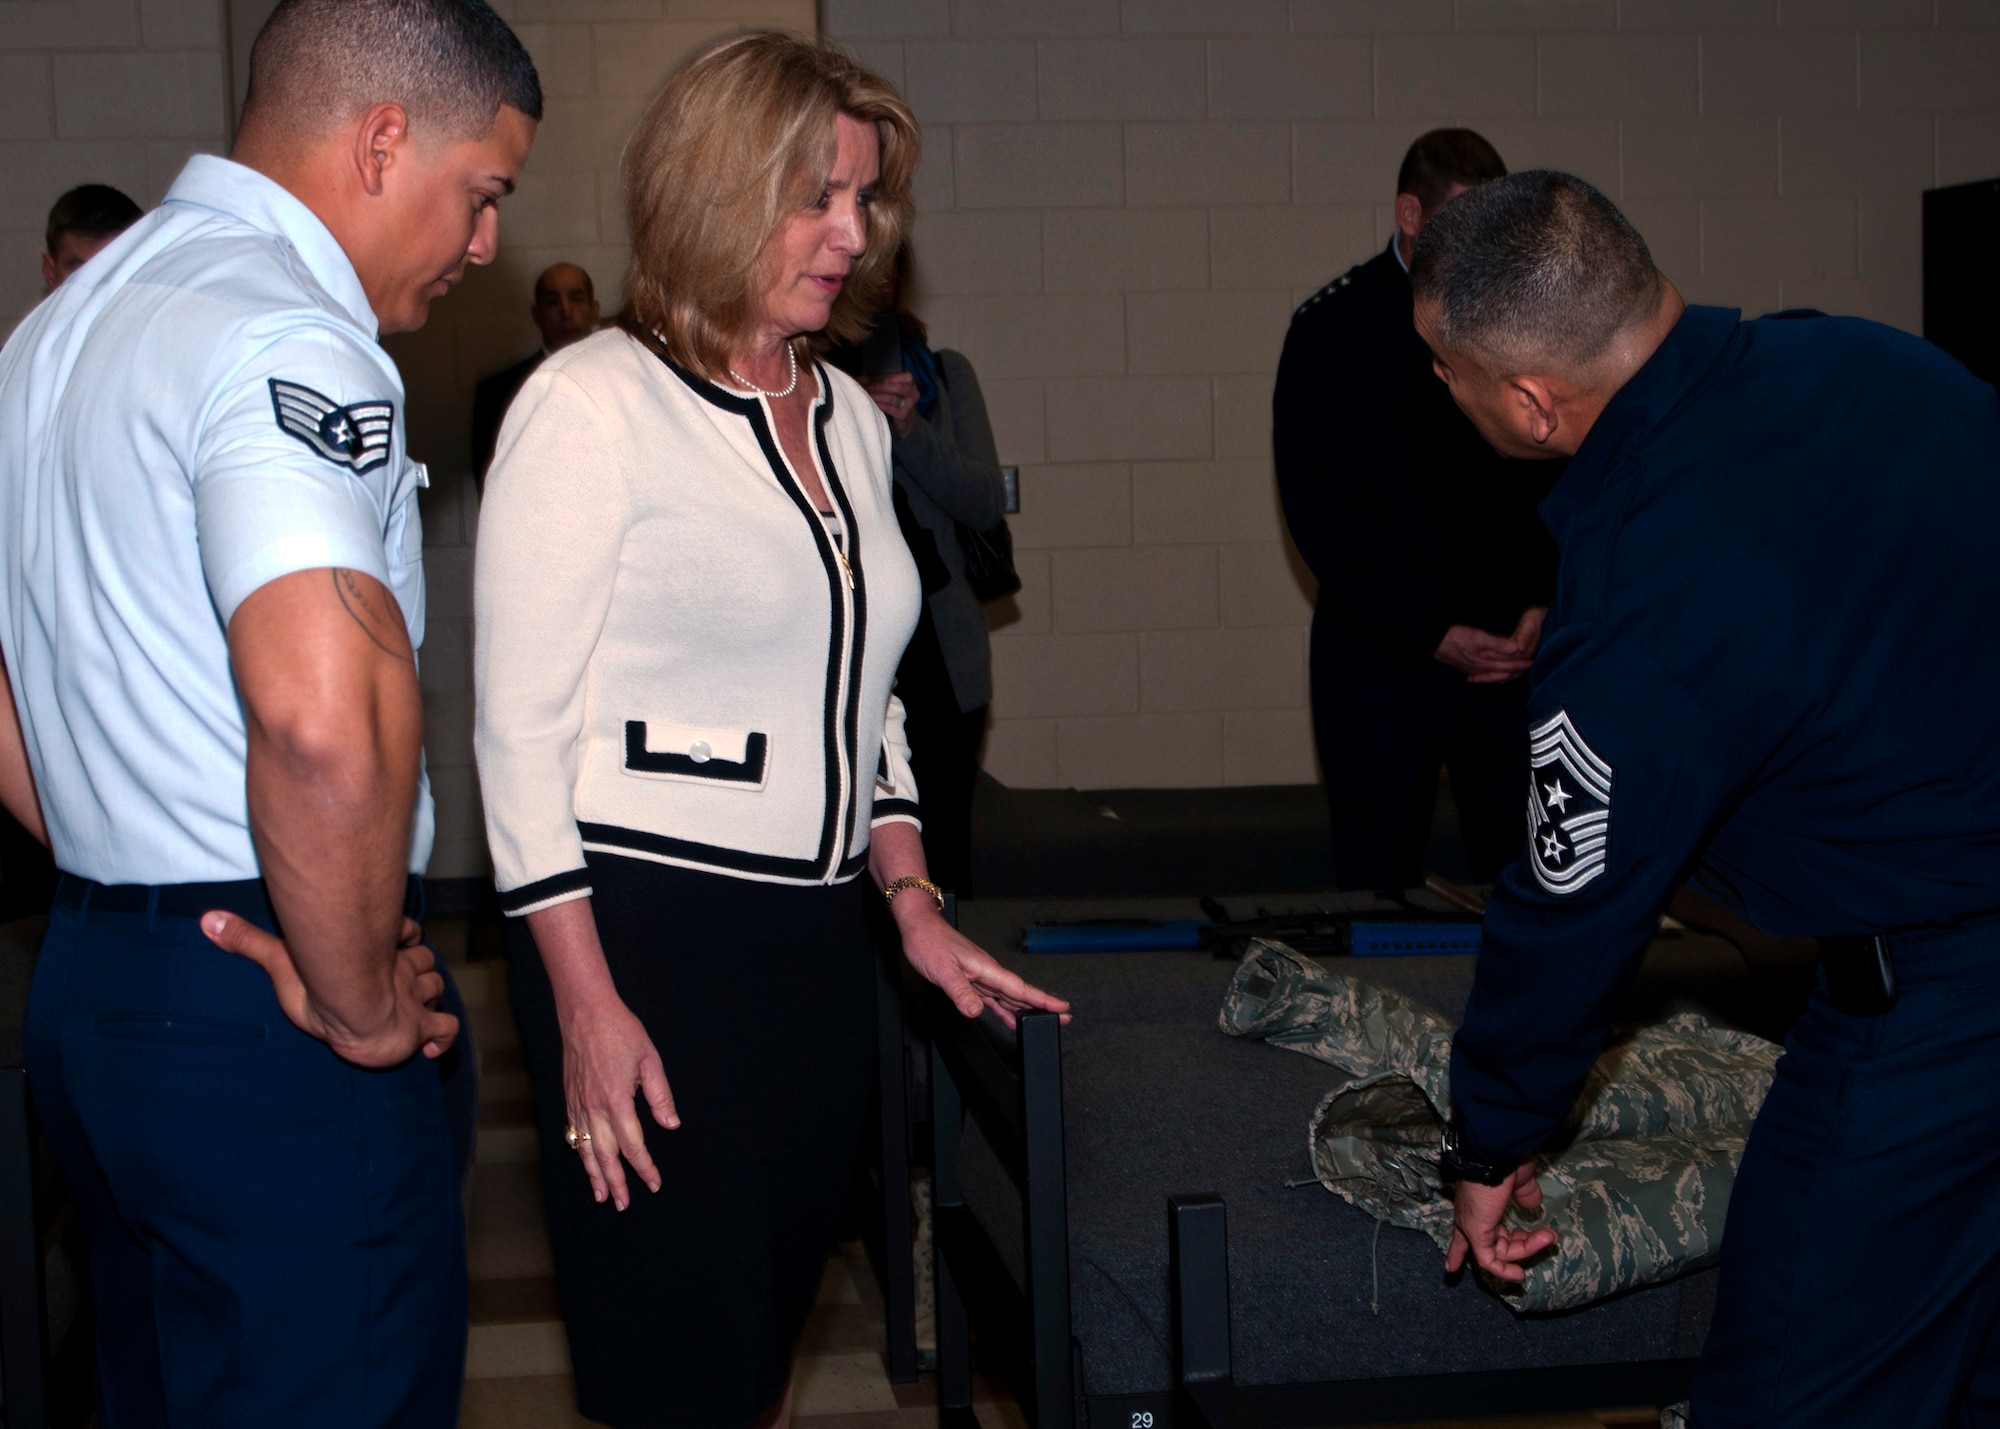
355,436
1569,806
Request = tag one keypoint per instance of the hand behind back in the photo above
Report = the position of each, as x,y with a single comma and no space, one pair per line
412,1021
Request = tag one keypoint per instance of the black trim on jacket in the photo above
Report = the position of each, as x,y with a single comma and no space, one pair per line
851,717
841,725
513,900
749,770
614,839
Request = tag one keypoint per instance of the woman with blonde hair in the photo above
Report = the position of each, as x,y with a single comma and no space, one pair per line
691,597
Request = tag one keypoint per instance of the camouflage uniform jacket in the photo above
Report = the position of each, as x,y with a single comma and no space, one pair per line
1635,1185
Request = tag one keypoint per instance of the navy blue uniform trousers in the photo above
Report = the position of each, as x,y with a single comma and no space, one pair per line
1861,1269
276,1236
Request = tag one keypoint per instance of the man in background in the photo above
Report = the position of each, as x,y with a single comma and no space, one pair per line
211,596
82,222
565,309
1432,564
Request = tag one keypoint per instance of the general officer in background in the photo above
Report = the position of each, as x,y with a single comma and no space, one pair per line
1433,570
565,311
1770,663
211,592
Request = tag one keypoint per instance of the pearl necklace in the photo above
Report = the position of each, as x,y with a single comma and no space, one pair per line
791,352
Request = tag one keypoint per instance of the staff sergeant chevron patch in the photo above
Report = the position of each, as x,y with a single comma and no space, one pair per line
1569,806
355,436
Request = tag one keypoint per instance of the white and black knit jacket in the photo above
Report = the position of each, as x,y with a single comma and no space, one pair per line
673,660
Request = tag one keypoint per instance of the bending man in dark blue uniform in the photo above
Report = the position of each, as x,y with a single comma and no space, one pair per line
1433,569
1769,666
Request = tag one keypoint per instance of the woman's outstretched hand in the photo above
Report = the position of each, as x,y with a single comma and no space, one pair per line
966,973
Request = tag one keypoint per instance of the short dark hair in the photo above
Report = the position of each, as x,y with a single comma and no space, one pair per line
90,211
1443,159
451,63
589,287
1534,267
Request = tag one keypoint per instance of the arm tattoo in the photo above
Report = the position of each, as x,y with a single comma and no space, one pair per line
362,608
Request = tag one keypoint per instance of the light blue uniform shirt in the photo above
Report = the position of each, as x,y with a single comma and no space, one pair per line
200,409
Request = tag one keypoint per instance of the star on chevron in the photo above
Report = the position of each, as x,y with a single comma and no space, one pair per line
1552,848
1559,797
360,436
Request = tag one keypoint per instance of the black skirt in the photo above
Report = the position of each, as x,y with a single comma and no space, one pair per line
686,1309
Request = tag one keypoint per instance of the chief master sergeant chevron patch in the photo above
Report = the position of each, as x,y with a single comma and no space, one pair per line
1569,806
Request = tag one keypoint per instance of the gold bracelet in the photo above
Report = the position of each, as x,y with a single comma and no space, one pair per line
912,881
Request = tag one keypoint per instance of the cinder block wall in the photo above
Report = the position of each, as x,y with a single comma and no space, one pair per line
109,91
1124,199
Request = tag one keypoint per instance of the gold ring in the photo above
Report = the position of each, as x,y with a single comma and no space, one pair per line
575,1138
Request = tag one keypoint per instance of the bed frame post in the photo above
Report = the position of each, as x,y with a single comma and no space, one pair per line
1046,1221
1198,1282
954,1330
24,1348
899,1288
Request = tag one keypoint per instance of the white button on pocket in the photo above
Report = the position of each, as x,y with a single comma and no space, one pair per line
696,754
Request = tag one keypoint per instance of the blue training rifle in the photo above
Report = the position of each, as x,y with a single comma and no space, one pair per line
1406,932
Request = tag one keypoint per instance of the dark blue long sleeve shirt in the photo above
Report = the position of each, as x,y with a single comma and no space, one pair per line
1773,664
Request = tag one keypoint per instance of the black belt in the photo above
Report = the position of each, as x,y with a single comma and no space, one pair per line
1861,969
243,897
1860,973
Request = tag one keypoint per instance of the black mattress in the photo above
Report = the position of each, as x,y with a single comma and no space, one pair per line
1157,842
1157,1101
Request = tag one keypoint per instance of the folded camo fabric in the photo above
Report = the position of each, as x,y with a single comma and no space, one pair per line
1636,1185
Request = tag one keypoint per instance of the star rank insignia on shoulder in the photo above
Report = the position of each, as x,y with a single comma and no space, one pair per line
1569,806
1324,293
355,436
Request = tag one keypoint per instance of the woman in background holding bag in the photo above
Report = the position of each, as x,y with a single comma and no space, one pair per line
951,502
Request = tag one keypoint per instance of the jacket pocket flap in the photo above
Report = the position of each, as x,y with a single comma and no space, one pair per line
686,751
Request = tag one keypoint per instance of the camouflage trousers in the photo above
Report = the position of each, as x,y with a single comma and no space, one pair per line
1636,1184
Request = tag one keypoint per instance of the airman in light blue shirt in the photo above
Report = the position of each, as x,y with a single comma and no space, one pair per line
211,597
201,411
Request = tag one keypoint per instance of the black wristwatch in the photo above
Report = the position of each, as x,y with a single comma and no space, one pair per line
1453,1165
